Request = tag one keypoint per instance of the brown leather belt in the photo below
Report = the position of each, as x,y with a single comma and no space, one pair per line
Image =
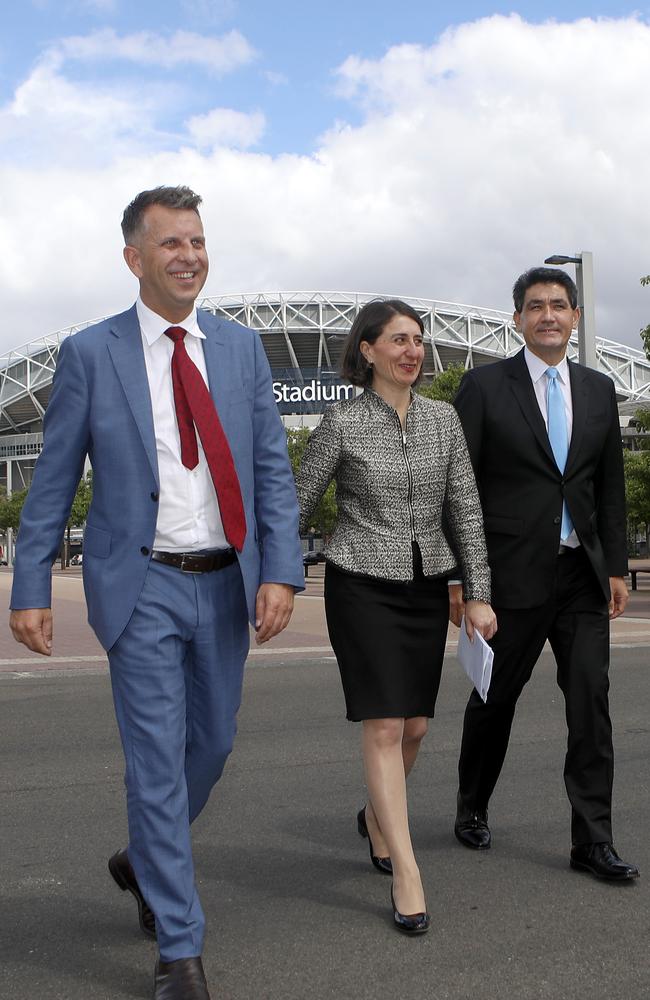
196,562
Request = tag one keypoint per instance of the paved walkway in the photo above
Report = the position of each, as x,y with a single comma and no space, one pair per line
295,911
77,649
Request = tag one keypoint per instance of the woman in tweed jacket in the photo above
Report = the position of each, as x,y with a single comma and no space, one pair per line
402,472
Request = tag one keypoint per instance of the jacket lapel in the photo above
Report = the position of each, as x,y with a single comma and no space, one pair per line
127,355
524,393
580,405
215,360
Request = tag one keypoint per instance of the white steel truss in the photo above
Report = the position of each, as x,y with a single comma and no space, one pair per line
305,330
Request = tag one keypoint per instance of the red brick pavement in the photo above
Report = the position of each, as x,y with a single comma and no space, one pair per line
77,649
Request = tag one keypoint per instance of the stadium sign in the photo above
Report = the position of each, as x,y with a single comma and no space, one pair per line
299,390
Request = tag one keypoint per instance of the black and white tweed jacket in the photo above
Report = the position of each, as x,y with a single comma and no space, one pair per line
394,487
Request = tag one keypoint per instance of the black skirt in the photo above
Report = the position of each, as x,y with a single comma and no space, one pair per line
389,640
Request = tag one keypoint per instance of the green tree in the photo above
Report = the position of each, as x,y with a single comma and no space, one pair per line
637,494
78,513
645,332
444,385
324,517
81,502
642,421
11,509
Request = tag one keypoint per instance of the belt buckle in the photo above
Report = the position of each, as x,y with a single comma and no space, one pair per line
187,557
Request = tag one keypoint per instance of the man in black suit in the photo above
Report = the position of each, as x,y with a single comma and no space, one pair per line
544,438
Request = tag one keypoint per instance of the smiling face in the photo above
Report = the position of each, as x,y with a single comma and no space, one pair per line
396,356
547,321
169,258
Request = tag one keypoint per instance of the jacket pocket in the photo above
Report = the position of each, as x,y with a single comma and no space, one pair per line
494,524
97,542
592,524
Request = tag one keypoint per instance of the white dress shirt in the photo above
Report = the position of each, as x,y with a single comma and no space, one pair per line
537,370
188,510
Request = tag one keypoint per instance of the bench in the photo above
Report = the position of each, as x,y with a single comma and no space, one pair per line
638,566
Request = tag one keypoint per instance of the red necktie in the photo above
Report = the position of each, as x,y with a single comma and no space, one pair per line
194,406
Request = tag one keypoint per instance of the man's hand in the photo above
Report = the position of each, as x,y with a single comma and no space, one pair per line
33,627
273,609
619,596
456,603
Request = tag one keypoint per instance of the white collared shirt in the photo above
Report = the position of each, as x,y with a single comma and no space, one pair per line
537,370
188,511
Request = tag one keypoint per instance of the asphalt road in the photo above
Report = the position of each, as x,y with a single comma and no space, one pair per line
294,909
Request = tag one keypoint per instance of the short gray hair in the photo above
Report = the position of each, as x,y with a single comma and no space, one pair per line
169,197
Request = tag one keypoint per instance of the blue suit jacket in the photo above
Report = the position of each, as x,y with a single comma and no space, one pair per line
100,406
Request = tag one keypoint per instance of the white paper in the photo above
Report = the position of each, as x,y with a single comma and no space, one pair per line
476,659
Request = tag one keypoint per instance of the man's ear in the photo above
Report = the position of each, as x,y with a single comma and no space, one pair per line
132,258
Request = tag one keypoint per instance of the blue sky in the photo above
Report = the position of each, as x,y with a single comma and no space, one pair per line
296,48
409,148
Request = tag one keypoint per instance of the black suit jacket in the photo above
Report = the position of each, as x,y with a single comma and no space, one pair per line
522,488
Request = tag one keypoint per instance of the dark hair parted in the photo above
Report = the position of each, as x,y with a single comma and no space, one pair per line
369,325
169,197
543,276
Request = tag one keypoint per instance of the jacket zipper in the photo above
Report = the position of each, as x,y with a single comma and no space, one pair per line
409,497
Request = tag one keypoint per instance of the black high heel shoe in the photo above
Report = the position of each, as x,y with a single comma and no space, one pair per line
411,923
381,864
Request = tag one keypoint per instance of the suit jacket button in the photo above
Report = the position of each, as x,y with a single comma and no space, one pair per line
144,550
556,520
154,497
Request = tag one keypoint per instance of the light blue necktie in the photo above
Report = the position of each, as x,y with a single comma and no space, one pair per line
557,435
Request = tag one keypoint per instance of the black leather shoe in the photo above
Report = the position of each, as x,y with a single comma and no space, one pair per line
381,864
183,979
120,868
473,831
602,861
411,923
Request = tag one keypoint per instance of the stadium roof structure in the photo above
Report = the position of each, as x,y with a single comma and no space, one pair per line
304,330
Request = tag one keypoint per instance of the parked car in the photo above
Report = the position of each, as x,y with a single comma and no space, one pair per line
311,558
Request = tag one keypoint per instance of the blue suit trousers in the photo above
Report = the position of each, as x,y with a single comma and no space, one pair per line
177,672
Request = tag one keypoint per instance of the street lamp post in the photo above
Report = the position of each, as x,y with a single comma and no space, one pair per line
584,262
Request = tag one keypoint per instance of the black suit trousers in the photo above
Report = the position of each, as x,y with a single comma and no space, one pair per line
576,623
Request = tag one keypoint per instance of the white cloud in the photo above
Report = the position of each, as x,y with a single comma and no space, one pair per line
53,116
476,158
54,120
276,79
224,127
47,94
215,55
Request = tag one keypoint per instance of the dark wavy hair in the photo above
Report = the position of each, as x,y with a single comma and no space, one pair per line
543,276
369,325
169,197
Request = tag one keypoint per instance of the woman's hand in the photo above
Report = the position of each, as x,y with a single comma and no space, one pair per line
480,616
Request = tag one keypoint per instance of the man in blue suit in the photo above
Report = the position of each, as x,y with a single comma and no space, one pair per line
175,564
